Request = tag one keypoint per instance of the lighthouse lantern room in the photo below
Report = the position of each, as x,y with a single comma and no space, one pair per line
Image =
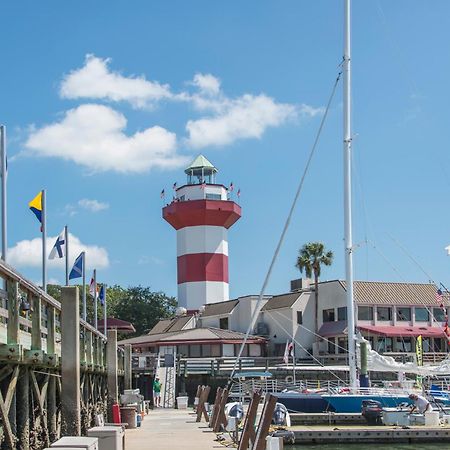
202,212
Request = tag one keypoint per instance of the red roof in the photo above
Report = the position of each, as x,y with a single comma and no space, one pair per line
117,324
390,330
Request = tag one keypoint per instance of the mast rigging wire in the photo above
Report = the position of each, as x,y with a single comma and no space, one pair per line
286,226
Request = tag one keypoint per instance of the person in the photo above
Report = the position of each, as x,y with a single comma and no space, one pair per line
421,404
157,392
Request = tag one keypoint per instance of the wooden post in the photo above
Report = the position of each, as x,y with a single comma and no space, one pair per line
88,346
127,363
248,432
52,410
221,419
70,362
23,409
201,409
264,422
36,339
197,396
111,357
51,330
12,288
212,419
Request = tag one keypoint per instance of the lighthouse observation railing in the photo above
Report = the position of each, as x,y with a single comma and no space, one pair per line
31,340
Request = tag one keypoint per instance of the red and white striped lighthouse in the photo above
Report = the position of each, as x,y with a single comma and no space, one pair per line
201,213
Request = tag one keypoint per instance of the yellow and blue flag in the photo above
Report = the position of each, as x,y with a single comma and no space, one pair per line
36,206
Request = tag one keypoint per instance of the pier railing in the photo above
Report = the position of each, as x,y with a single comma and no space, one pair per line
53,366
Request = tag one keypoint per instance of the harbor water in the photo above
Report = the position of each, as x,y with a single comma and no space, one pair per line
415,446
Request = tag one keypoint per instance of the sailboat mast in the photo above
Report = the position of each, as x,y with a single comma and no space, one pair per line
348,197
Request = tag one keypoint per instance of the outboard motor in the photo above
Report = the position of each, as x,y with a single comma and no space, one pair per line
372,411
234,409
281,416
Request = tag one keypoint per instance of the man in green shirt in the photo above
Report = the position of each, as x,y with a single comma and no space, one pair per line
157,392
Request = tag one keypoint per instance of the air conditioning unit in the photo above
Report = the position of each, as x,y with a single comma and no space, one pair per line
262,329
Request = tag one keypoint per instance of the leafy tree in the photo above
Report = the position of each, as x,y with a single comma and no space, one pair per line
310,259
138,305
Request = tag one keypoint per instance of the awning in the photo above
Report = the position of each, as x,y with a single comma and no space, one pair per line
330,329
390,330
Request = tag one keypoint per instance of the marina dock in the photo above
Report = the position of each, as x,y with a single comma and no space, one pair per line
171,429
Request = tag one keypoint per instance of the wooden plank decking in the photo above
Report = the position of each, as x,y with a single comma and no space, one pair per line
171,429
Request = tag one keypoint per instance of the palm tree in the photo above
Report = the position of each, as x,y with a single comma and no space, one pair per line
310,259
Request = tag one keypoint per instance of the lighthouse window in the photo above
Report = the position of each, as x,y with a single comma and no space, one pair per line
213,196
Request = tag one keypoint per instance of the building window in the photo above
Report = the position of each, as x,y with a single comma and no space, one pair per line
404,314
439,345
194,351
237,347
328,315
255,350
299,317
279,349
422,315
438,314
384,345
403,344
215,349
331,346
342,345
213,197
183,350
228,349
206,350
223,323
426,345
365,313
384,313
342,313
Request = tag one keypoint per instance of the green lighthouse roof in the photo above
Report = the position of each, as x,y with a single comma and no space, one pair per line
200,163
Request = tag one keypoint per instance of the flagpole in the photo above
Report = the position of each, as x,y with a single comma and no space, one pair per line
84,286
66,240
4,175
104,311
95,300
44,242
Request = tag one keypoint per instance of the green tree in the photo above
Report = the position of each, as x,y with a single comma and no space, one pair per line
144,308
311,257
138,305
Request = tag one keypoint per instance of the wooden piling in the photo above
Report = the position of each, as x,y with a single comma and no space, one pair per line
23,409
111,356
70,362
248,435
264,422
127,364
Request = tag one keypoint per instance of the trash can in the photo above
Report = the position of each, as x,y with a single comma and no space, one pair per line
128,415
87,443
182,402
109,438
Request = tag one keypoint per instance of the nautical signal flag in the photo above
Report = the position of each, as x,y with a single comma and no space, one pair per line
77,269
239,193
101,295
59,249
231,187
92,288
162,194
36,206
174,186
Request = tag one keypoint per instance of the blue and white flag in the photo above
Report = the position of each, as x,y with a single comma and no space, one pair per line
101,295
77,269
59,249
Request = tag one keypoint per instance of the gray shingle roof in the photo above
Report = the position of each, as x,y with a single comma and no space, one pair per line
169,325
217,309
388,293
281,301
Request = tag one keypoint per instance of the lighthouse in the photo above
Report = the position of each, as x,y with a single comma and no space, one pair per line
202,212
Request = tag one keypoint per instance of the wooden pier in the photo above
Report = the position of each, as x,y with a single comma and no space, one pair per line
56,371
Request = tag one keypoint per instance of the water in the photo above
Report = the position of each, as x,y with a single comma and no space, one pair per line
367,447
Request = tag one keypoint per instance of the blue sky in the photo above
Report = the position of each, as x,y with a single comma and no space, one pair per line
245,84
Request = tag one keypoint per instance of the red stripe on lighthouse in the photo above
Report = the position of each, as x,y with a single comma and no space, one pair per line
202,267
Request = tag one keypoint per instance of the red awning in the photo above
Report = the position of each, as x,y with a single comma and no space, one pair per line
390,330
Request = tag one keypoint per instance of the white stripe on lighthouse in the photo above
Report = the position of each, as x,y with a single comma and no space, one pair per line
202,292
202,239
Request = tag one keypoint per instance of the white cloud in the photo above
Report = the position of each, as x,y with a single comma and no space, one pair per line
28,253
245,117
92,205
95,80
92,135
207,83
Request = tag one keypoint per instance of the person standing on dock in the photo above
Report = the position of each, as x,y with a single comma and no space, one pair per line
157,392
421,404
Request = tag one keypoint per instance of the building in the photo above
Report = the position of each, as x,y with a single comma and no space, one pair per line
202,213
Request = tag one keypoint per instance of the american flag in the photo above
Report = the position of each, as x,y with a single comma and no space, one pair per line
438,296
203,185
231,187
